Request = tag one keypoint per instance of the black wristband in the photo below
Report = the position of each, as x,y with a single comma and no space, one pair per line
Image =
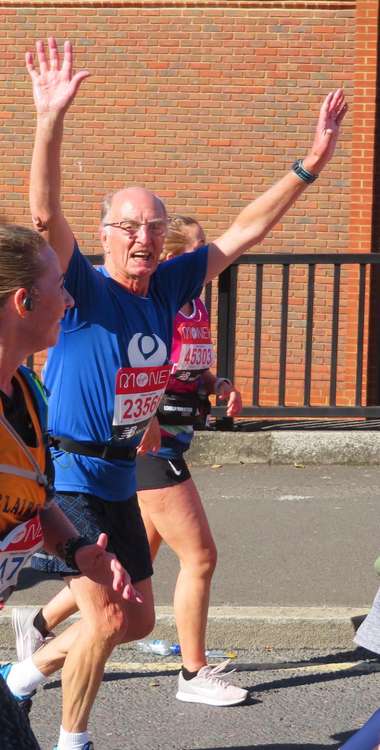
70,548
299,169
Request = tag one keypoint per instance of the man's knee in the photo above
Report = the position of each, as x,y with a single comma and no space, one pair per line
141,621
109,624
207,562
203,563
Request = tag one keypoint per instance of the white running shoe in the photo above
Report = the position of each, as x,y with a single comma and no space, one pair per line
208,686
28,638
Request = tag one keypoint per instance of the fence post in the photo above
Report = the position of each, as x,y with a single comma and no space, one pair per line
227,288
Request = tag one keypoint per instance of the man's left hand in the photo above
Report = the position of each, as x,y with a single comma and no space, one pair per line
332,112
151,439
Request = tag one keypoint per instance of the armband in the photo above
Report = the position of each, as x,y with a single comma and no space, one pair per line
299,169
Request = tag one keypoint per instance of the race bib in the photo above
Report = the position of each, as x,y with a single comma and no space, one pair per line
15,550
196,357
138,393
196,352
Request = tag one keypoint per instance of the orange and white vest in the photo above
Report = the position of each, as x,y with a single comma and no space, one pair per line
22,488
22,468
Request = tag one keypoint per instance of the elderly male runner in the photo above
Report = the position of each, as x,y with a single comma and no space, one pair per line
110,367
33,300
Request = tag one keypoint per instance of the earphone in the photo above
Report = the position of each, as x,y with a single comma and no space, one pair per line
27,303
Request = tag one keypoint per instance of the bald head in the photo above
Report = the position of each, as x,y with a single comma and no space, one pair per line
132,233
126,202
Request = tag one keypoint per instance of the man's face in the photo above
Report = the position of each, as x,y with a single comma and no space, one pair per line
134,237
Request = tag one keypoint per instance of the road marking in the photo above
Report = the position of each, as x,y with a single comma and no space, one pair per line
295,498
170,666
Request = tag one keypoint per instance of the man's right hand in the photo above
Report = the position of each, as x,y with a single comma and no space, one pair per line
101,566
54,86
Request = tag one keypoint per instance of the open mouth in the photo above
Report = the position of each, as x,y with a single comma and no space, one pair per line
142,255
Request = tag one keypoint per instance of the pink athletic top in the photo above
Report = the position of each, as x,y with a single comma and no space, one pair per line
192,353
192,350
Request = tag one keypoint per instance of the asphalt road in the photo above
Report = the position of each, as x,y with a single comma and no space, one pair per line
299,701
286,536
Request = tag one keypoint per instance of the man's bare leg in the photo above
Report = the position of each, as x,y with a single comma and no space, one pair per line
59,608
83,648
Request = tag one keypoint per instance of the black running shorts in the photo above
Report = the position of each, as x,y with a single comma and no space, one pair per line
122,522
154,472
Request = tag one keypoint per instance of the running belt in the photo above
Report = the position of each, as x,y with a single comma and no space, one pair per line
98,450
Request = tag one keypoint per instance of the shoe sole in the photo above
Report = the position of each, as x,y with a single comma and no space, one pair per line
21,652
188,698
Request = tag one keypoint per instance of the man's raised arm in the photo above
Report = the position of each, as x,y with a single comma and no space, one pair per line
54,89
259,217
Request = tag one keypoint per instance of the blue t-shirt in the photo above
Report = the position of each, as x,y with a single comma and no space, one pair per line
107,329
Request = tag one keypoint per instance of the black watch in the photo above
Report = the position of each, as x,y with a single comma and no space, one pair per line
299,169
70,548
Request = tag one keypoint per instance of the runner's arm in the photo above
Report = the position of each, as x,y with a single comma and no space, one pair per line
151,439
259,217
44,194
225,390
57,528
54,89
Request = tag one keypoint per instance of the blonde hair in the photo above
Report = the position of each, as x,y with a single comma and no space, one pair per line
20,259
177,237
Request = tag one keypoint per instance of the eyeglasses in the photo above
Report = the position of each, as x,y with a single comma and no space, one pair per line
156,227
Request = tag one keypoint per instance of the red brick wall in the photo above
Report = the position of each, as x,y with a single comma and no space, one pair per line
207,103
364,224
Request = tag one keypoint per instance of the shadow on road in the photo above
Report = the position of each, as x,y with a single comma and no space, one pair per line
337,657
309,679
271,747
288,682
276,746
29,577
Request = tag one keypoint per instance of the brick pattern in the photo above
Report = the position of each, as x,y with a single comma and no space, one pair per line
363,132
230,4
364,225
207,103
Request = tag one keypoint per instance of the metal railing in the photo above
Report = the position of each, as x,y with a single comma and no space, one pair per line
226,332
227,305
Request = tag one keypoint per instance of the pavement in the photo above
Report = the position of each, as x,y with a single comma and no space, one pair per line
348,447
295,519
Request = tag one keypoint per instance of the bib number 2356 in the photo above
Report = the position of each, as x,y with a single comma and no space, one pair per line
138,393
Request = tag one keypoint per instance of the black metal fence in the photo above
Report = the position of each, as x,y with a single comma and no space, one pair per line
227,299
227,306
